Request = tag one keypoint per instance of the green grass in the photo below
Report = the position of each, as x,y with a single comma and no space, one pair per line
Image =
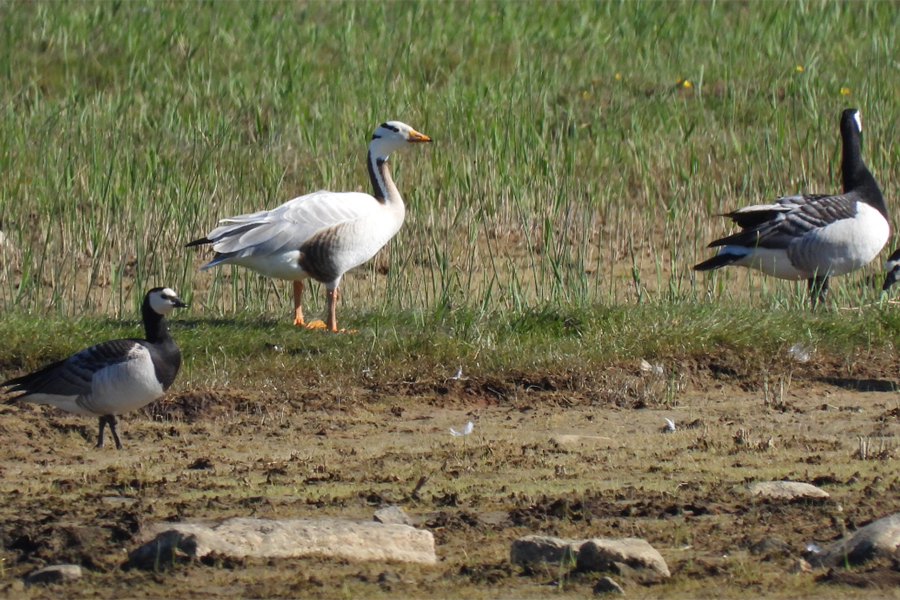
571,186
570,348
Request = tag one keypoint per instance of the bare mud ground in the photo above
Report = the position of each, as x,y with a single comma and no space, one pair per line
346,451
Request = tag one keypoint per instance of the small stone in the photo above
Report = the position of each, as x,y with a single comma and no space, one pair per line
770,545
54,574
583,441
608,586
542,548
800,566
598,554
392,515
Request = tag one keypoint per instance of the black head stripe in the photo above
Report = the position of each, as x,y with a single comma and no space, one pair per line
390,127
375,136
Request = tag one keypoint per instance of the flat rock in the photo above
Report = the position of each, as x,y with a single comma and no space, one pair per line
608,586
285,538
599,554
879,538
392,515
785,490
54,574
543,548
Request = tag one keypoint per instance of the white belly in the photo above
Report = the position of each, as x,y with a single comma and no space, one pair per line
771,262
278,266
124,387
844,246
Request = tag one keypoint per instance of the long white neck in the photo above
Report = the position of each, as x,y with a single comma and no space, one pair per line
383,187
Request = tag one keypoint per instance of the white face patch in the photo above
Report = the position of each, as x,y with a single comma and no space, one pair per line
162,301
858,118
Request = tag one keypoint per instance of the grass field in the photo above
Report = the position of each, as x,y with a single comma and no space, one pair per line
582,151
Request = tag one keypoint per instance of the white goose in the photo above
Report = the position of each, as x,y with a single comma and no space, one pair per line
112,377
812,236
321,235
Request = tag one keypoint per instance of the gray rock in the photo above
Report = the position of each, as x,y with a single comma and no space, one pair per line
608,586
542,548
392,515
598,554
879,538
785,490
591,555
268,538
54,574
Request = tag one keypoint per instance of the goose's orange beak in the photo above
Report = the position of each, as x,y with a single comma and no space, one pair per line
415,136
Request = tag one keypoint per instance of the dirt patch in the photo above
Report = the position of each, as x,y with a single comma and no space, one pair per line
562,454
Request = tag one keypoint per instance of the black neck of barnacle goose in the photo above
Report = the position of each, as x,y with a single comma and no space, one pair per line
383,187
155,327
855,176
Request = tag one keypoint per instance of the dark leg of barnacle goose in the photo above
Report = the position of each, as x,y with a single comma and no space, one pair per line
818,287
111,421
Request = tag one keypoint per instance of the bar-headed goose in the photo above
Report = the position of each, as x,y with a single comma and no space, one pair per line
812,236
321,235
112,377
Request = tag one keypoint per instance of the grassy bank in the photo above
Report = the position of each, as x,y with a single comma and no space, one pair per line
581,149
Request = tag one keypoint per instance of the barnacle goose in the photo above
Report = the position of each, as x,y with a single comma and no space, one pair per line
321,235
812,236
892,266
112,377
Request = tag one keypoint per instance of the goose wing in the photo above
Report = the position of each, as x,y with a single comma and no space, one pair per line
74,376
289,225
778,225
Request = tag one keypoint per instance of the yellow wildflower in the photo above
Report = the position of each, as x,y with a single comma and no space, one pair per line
845,91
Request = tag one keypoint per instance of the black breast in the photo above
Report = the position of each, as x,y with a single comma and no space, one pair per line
166,361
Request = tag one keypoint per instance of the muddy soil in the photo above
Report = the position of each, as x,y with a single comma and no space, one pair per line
545,456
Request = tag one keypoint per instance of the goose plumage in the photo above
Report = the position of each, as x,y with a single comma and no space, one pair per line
812,236
112,377
892,266
320,235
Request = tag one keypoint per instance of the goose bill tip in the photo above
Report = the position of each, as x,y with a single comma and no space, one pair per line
415,136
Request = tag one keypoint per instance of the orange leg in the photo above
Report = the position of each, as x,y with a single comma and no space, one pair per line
298,309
